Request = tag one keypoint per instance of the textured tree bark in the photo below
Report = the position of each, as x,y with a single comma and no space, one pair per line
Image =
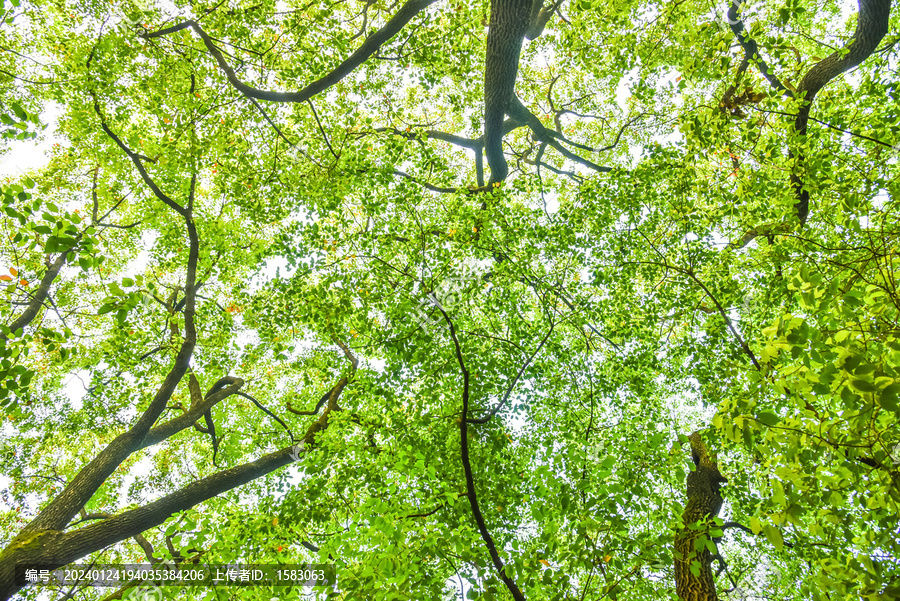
509,22
54,548
703,504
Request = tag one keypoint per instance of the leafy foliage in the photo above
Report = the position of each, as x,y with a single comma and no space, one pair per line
338,260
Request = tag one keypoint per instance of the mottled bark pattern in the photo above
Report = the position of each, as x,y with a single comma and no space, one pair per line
703,502
509,21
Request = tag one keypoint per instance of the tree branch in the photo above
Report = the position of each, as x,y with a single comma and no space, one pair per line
467,468
365,51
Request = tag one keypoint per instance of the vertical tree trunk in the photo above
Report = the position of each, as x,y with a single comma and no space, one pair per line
693,559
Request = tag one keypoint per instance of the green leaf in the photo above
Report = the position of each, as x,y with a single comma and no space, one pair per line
106,308
755,525
768,418
774,535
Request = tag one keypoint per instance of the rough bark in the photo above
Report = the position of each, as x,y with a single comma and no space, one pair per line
703,504
509,22
54,548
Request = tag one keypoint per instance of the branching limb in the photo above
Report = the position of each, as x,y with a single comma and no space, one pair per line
54,548
269,413
366,50
548,136
142,542
138,160
751,49
512,385
220,391
61,509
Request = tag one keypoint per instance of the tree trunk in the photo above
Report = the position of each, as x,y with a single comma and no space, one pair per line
693,557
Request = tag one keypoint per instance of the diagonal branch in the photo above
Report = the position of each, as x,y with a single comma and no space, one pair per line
40,295
512,385
751,49
871,27
138,161
220,391
365,51
57,548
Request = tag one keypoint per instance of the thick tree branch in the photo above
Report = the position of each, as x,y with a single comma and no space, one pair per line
53,548
519,112
40,294
508,25
365,51
220,391
871,27
82,487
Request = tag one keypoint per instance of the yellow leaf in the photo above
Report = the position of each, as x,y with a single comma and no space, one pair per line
545,562
13,271
5,278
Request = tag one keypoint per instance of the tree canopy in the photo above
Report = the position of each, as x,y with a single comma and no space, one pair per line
507,299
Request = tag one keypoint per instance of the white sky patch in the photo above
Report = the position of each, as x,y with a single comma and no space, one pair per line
623,90
23,156
139,264
551,201
244,337
139,470
74,387
880,198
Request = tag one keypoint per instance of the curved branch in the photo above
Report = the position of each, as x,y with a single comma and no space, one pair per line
54,548
220,391
467,468
365,51
871,27
270,414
